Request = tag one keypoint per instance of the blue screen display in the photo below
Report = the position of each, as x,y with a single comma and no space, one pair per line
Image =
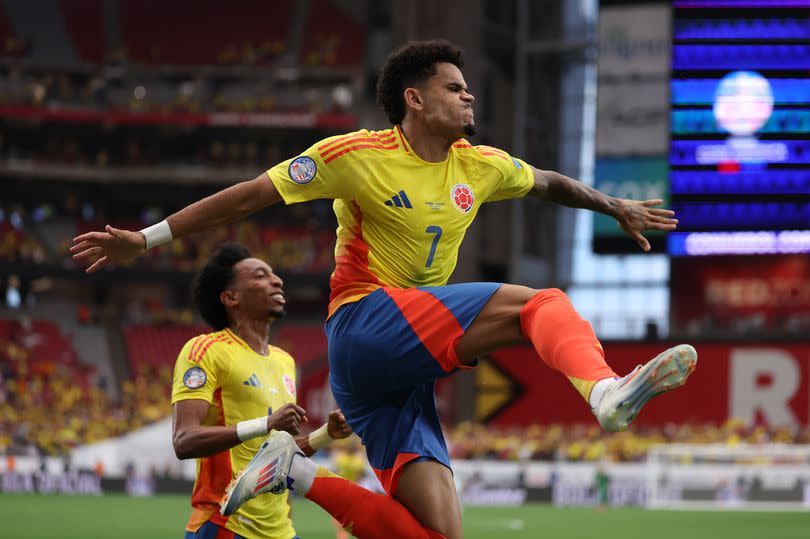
740,127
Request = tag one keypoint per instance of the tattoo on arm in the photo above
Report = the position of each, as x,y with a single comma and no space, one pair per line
555,187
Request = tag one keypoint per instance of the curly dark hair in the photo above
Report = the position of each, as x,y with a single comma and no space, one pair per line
413,63
212,279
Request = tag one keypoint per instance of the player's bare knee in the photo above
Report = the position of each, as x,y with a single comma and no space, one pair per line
512,298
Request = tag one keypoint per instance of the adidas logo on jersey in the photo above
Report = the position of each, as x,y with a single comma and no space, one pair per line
400,200
253,381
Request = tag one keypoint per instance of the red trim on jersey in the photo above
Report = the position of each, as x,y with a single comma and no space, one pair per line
352,276
326,147
433,323
462,144
389,139
359,147
485,148
496,155
489,150
197,342
402,138
234,338
389,478
215,474
201,346
219,338
339,139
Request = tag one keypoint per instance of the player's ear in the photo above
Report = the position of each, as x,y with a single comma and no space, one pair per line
413,98
228,298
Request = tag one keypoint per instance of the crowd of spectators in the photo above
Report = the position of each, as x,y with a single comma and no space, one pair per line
49,413
148,148
17,244
50,402
118,90
589,443
301,241
288,249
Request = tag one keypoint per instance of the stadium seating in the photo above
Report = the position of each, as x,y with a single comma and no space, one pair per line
10,44
40,370
19,245
287,248
157,32
333,38
84,22
156,346
588,443
48,403
43,348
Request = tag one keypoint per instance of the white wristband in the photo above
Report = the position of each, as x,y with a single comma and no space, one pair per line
252,428
319,438
157,234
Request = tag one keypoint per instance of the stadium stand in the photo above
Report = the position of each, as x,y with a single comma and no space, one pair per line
290,249
10,45
588,443
19,245
170,39
155,346
333,37
84,22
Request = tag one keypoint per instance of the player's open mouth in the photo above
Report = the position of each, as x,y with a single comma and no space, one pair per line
279,297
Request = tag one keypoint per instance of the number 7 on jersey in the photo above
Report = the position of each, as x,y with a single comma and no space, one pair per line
437,230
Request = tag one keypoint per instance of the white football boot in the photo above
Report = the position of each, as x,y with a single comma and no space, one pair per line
266,472
624,398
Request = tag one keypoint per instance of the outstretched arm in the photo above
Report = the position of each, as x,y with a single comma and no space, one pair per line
97,249
633,216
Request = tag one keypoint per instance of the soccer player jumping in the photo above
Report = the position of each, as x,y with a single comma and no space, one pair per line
403,199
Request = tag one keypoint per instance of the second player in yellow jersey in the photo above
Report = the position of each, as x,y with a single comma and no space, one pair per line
231,388
240,385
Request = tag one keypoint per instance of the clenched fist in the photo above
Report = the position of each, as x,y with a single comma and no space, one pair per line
287,418
337,427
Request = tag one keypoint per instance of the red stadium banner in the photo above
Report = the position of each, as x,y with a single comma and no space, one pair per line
759,383
742,293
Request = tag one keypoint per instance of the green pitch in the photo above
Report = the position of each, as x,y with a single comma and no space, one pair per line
119,517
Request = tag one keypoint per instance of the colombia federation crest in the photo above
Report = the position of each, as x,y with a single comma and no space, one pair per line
462,197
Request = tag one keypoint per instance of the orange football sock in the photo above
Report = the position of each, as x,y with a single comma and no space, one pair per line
365,514
564,340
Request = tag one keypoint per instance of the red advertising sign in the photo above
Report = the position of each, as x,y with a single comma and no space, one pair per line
758,383
766,292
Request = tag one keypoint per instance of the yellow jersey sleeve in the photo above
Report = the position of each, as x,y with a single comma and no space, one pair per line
196,370
313,174
515,177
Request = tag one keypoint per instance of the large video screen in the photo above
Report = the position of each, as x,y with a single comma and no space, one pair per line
740,127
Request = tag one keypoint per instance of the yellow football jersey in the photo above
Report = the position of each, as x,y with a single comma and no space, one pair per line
220,368
400,219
